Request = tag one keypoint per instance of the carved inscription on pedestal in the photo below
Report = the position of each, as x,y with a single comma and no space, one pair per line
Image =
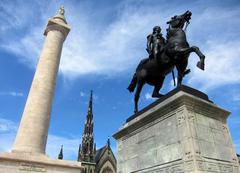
31,167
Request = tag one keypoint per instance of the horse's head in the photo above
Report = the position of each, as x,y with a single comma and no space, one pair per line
179,21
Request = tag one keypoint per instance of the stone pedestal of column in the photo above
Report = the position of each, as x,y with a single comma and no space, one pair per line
28,153
20,162
183,132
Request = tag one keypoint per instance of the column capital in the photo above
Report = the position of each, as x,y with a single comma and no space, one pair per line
58,25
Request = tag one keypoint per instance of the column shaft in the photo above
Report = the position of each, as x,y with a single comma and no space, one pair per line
33,129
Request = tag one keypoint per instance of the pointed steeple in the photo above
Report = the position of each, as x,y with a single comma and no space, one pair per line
108,145
79,152
86,153
108,142
94,149
60,155
90,104
88,128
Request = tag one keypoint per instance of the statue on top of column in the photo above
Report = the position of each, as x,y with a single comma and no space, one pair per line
61,10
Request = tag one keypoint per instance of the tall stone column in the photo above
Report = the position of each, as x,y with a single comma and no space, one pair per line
33,130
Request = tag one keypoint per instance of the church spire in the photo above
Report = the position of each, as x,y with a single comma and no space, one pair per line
90,113
108,145
94,149
60,155
86,152
79,152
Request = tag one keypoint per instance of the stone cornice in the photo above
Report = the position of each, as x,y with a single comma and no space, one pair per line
168,107
56,25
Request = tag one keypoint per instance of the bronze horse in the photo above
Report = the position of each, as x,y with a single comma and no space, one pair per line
175,54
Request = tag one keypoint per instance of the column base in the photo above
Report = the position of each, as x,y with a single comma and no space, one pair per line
20,162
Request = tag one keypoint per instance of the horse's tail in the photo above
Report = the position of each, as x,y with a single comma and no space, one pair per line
133,83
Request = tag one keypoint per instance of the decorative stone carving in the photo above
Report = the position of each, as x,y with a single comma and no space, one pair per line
185,132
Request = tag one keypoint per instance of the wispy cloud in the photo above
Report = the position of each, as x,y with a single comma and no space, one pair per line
115,46
7,134
12,93
236,97
95,97
8,130
82,94
148,96
70,147
222,67
7,126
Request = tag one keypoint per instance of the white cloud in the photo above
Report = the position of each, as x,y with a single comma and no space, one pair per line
82,94
221,66
236,97
6,141
70,147
112,49
7,126
13,19
115,47
27,48
12,93
7,134
148,96
95,97
8,131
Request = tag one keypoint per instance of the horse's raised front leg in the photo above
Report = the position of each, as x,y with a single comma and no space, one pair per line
137,95
200,63
157,88
185,51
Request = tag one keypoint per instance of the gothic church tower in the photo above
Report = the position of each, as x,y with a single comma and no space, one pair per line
87,150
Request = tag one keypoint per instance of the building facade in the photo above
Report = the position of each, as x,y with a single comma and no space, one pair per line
105,160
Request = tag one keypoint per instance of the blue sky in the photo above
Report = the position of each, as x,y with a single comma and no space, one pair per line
107,40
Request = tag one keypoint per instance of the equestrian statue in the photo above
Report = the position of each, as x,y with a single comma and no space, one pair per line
164,55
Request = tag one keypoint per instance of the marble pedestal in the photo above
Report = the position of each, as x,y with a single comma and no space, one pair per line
183,132
36,163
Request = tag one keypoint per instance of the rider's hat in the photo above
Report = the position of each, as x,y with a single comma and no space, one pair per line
156,28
